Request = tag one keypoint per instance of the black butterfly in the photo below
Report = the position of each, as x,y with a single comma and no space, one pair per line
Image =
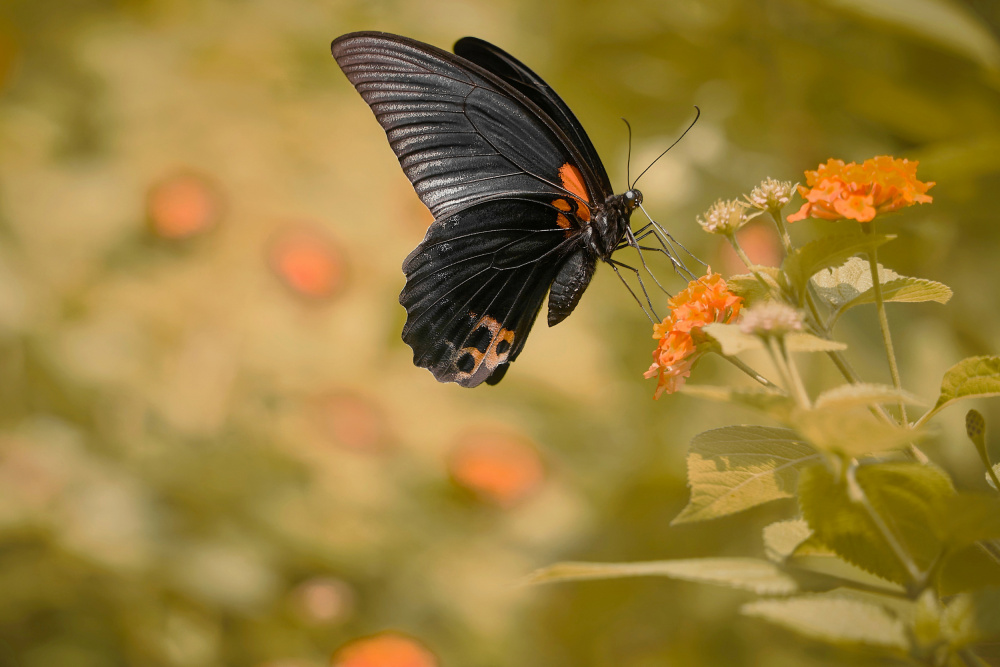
522,203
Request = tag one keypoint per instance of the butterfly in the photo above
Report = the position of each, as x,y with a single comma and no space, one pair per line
522,203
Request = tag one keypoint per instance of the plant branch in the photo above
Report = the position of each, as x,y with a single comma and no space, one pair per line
883,321
858,495
750,371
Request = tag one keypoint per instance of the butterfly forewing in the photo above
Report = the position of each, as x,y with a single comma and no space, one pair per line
521,77
461,135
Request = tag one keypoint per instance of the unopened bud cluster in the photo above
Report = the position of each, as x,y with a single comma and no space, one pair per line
771,195
771,318
724,217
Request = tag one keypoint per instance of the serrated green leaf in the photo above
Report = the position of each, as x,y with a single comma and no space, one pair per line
969,518
850,285
972,618
782,538
732,340
975,377
927,619
823,253
734,468
747,285
812,546
863,394
839,285
798,341
851,431
769,401
758,576
966,570
944,24
834,619
908,498
904,290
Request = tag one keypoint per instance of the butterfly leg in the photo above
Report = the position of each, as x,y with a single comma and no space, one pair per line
632,242
615,264
668,243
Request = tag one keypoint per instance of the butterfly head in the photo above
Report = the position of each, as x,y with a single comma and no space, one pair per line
632,199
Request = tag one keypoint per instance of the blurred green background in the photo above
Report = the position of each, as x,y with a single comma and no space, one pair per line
214,449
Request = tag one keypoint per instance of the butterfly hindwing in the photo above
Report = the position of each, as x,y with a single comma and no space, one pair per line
475,284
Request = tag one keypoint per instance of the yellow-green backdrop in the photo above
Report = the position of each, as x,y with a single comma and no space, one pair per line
214,449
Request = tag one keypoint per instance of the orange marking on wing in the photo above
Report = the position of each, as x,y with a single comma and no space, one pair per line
562,205
563,221
491,357
572,180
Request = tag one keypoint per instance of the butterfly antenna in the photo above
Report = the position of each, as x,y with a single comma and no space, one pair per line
697,116
628,161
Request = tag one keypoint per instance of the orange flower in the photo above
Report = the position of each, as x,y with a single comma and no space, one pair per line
705,301
860,191
388,649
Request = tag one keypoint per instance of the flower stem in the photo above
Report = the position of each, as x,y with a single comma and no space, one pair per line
793,372
786,240
858,495
750,265
751,372
837,357
883,321
788,373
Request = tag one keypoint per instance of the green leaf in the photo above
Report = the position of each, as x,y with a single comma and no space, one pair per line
850,285
975,377
823,253
734,468
731,339
969,518
782,538
758,576
834,619
945,24
839,285
747,285
973,617
908,498
863,394
798,341
968,569
769,401
851,431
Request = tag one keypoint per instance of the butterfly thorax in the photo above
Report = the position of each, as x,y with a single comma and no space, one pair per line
611,220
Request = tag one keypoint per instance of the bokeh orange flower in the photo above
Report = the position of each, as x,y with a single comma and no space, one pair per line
388,649
836,190
705,301
501,469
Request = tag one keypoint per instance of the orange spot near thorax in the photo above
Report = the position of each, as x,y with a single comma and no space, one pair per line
571,179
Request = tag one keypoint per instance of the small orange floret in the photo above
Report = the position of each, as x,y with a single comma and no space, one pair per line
705,301
838,190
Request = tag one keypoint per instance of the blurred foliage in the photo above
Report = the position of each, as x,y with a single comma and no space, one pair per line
213,447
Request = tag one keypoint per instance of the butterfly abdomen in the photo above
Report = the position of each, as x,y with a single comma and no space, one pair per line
567,288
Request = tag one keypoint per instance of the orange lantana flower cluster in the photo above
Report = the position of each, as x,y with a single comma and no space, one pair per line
859,191
705,301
